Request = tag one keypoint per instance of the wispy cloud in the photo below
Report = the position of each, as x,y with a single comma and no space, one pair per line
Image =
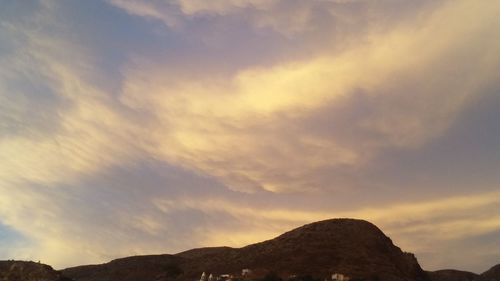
249,118
214,123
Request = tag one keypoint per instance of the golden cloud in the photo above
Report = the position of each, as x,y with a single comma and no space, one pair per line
250,130
242,128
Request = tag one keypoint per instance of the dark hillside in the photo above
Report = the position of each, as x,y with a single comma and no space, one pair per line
28,271
452,275
492,274
356,248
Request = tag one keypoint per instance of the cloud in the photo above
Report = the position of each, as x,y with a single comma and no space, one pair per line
288,18
213,123
295,111
174,210
154,10
57,124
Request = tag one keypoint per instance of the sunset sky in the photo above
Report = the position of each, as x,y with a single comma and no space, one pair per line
155,126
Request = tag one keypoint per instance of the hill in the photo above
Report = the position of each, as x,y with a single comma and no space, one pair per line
355,248
152,267
452,275
28,271
493,274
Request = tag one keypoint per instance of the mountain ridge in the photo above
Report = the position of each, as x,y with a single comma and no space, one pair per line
355,248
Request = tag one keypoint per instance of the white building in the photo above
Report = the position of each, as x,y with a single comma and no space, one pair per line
338,277
203,277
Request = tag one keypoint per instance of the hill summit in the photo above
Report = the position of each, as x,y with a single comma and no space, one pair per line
28,271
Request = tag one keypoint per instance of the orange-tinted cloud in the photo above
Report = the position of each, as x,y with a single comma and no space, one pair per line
179,134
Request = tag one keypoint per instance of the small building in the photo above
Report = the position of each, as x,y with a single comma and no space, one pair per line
224,277
339,277
203,277
245,272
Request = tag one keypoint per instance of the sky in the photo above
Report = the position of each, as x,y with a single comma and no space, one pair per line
134,127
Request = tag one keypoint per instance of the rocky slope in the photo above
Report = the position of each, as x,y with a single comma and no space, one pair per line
354,247
28,271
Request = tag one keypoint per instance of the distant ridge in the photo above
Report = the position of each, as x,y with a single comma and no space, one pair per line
452,275
492,274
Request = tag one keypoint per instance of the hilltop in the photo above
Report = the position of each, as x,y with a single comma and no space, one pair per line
28,271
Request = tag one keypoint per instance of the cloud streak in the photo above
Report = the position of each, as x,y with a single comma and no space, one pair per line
233,121
404,105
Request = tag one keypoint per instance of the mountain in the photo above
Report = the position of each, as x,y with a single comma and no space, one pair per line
492,274
28,271
452,275
355,248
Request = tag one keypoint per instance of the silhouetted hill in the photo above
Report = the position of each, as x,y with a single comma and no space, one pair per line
353,247
492,274
138,268
28,271
452,275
